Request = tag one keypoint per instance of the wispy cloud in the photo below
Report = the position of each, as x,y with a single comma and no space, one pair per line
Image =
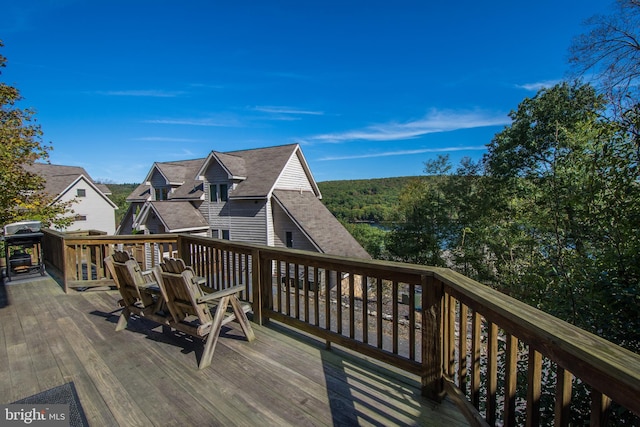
286,110
434,122
405,152
536,86
142,93
226,122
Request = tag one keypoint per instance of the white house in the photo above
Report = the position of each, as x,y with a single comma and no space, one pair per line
92,208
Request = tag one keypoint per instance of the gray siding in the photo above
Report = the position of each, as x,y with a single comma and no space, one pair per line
157,181
154,225
246,220
293,177
215,174
270,233
126,226
282,224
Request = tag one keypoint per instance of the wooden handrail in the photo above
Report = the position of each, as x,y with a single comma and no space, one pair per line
452,329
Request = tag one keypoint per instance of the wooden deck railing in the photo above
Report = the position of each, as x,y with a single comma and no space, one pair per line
77,259
502,361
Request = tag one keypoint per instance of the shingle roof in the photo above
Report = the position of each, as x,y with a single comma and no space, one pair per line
140,194
234,164
179,215
260,166
265,166
58,177
181,171
190,190
316,220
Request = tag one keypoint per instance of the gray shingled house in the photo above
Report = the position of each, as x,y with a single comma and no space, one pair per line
266,196
93,210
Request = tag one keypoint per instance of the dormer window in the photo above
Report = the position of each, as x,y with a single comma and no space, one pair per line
218,193
162,193
224,192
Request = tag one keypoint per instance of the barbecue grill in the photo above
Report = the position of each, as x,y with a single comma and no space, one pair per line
23,248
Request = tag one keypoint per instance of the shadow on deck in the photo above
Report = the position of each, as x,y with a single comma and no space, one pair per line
142,376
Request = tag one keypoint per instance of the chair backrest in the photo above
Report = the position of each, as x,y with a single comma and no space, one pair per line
181,291
127,275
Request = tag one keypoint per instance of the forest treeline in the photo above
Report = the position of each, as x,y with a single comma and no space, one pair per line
119,194
364,200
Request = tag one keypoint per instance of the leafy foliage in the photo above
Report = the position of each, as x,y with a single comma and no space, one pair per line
119,194
551,217
364,200
21,196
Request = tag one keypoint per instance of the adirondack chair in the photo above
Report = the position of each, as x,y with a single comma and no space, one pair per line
140,293
196,310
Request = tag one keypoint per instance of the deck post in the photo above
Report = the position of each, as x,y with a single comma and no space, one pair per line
432,373
261,286
256,286
184,250
70,265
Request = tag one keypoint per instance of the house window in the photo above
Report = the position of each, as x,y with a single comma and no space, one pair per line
225,235
224,192
80,218
213,193
162,193
218,193
81,192
289,239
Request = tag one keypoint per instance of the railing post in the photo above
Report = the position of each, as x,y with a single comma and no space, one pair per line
256,286
432,373
70,265
261,283
183,250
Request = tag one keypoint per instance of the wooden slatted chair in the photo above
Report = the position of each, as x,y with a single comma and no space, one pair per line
140,293
197,311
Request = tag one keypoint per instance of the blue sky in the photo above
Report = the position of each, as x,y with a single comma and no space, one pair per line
370,89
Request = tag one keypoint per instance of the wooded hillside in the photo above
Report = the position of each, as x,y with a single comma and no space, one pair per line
364,200
119,194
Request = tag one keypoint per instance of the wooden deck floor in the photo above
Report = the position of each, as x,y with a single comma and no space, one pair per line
142,377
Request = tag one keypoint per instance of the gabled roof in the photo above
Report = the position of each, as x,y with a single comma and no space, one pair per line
257,171
59,178
190,190
177,173
266,165
305,209
233,165
141,193
176,216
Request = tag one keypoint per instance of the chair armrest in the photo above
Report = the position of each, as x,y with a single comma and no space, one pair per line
221,293
146,274
151,287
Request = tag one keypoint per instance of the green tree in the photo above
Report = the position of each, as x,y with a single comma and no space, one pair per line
370,237
20,145
550,216
564,181
423,227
